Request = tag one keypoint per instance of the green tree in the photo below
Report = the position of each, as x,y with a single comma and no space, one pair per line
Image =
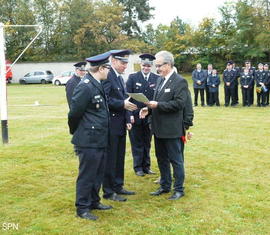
135,12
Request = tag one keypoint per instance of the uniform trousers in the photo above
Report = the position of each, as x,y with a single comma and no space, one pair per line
140,138
114,173
196,92
169,152
246,96
91,172
213,98
230,95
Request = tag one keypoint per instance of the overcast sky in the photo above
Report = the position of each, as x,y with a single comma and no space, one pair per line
191,11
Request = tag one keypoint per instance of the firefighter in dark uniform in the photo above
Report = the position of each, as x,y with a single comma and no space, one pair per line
144,82
119,107
213,83
229,78
252,72
237,72
88,121
259,78
75,80
246,81
267,82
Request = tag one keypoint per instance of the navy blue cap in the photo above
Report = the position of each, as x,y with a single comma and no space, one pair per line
147,58
80,66
230,62
99,59
121,54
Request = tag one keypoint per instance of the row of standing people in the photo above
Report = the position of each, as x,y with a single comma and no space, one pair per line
101,112
208,81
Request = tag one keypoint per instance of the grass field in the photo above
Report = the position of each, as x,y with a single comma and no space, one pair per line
227,174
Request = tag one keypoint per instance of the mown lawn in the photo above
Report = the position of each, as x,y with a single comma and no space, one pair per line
227,174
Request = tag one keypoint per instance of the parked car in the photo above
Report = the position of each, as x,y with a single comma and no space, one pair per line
63,78
43,77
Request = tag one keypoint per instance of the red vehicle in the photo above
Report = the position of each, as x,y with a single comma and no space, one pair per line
9,73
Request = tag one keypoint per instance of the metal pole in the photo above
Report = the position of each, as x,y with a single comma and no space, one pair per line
3,87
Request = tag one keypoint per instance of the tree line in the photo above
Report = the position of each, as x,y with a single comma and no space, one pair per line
76,29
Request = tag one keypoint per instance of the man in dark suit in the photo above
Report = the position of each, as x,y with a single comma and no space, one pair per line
119,107
88,121
199,78
167,108
75,80
140,135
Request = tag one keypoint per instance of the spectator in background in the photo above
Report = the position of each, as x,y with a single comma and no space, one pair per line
246,81
199,82
213,84
209,72
75,80
229,78
267,82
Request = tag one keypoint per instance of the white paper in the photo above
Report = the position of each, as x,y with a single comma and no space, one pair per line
139,97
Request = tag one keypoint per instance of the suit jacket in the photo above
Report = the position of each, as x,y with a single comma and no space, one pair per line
199,76
188,113
88,117
70,86
213,80
229,76
116,95
136,83
246,79
167,118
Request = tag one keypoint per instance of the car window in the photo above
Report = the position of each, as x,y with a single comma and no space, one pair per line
39,73
65,74
27,75
49,72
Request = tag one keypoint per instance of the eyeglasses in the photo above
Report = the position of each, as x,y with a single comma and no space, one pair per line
160,65
106,66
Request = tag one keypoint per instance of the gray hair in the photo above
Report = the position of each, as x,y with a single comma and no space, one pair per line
167,57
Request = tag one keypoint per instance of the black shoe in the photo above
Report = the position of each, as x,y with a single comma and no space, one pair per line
88,216
101,206
159,192
176,196
149,172
139,173
125,192
116,197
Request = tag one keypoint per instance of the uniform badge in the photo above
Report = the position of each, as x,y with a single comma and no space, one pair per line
152,85
86,81
97,96
97,106
138,84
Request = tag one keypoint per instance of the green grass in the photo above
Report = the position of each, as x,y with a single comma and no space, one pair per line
227,174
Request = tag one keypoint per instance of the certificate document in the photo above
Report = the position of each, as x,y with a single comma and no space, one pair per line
139,97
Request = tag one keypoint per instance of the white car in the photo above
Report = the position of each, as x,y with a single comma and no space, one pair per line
63,78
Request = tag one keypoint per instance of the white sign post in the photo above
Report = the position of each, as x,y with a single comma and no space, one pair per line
3,84
3,87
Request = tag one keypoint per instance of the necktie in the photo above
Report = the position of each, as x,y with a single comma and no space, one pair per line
161,84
